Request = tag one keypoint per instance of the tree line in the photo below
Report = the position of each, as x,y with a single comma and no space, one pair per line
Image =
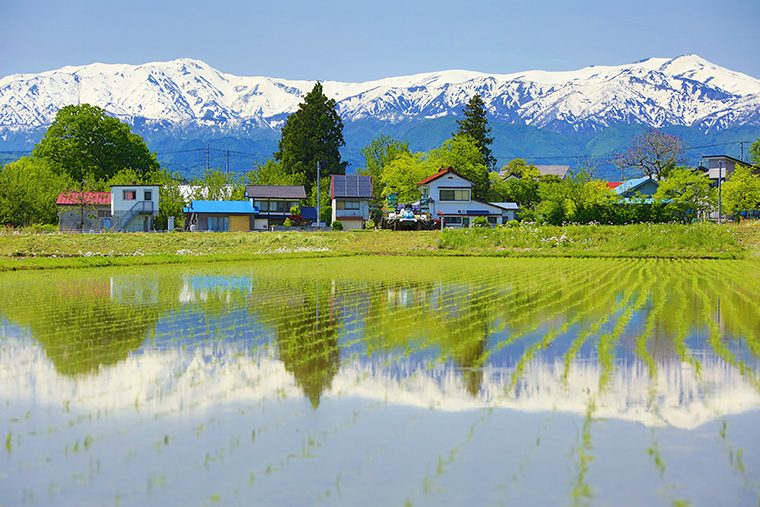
85,149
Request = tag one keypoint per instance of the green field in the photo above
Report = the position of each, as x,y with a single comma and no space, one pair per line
703,241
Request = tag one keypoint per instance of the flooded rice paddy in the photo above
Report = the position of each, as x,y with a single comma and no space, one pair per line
383,381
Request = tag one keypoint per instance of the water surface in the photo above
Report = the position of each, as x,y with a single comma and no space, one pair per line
383,381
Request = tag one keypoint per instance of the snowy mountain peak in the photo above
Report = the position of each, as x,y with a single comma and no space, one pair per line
685,90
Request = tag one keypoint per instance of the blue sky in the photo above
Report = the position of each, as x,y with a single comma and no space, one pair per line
356,40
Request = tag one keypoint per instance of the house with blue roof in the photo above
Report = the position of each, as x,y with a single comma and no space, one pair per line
221,216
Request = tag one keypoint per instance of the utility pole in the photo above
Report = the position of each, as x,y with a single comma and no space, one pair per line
720,179
227,161
208,157
319,217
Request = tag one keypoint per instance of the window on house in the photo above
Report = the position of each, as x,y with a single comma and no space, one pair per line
219,224
129,195
452,194
351,204
147,195
492,220
103,213
453,220
262,205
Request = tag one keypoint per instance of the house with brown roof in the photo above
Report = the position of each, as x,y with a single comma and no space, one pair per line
448,196
273,203
84,211
350,194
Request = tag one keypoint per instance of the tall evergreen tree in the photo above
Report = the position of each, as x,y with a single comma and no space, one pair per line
475,125
313,133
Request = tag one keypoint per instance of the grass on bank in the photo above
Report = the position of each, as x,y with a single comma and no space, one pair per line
706,241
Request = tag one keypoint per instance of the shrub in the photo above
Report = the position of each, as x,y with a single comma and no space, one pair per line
287,223
337,225
369,224
480,222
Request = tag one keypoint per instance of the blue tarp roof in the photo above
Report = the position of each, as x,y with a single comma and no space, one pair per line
309,213
222,207
629,185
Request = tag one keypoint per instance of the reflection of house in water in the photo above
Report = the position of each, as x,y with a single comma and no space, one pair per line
134,290
201,287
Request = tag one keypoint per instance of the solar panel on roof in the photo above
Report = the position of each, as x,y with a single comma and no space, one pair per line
352,186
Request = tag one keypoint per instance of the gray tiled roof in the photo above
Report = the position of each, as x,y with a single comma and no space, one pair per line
556,170
275,192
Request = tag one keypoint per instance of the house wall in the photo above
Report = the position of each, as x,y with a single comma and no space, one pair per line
120,206
96,218
448,181
362,212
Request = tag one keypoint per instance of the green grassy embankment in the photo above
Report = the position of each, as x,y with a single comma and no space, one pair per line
705,241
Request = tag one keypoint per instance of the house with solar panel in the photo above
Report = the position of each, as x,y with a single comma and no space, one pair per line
273,203
448,197
219,216
350,194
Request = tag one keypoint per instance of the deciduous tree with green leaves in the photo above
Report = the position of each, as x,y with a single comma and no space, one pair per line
741,191
685,193
271,172
83,142
28,191
461,152
475,125
313,133
380,152
754,152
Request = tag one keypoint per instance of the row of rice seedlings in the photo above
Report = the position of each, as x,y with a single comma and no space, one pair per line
592,330
715,336
600,294
608,341
549,300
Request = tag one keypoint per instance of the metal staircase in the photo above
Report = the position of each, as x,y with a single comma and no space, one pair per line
139,208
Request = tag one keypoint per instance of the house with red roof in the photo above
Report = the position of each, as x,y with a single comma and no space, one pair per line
131,208
84,211
448,197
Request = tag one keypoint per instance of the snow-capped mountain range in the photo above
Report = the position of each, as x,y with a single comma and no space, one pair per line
657,92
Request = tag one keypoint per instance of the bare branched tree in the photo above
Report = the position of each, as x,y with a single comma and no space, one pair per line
654,153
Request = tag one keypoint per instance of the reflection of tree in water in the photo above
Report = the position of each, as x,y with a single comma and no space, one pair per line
307,335
76,320
467,341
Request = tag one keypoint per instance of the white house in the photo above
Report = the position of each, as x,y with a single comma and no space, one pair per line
449,198
350,199
134,207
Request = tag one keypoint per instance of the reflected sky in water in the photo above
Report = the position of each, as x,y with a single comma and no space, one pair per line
383,381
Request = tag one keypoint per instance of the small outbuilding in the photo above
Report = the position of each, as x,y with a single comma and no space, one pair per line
84,211
220,216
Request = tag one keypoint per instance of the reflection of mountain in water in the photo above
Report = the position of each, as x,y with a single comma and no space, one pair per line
175,381
470,333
